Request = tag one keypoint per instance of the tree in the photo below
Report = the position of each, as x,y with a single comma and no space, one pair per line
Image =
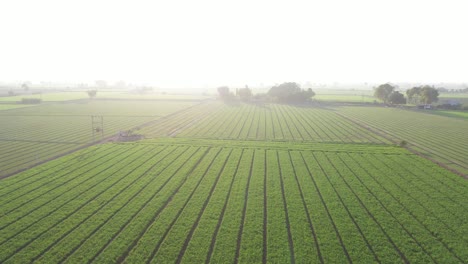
413,95
383,92
91,93
25,86
223,91
396,98
244,93
310,93
290,92
429,94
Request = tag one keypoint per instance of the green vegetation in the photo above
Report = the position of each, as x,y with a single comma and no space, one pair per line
58,96
290,92
273,122
440,138
363,98
12,106
457,114
81,95
232,182
173,199
36,134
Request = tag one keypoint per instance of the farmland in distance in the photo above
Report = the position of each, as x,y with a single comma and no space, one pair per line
440,138
272,122
31,135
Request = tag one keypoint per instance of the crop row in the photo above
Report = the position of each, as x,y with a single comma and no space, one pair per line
177,122
278,122
179,203
32,136
441,138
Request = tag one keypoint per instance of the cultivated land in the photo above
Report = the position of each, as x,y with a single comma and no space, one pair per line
202,200
457,114
247,183
101,94
12,106
274,122
33,134
443,139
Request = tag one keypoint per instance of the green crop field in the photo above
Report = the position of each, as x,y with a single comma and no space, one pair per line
345,98
12,106
440,138
456,114
79,95
232,183
274,122
34,134
55,96
197,201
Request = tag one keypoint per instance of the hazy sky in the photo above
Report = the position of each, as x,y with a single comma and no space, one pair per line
193,43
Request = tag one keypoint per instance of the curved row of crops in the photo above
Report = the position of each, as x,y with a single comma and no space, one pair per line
199,201
440,138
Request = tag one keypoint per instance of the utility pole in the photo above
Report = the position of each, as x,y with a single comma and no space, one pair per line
97,126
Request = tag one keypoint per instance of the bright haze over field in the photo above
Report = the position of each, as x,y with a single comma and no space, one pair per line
199,43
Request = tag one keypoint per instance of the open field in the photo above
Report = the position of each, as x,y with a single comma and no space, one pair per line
232,183
448,113
34,134
344,92
274,122
345,98
443,139
198,201
331,95
55,97
454,95
13,106
77,95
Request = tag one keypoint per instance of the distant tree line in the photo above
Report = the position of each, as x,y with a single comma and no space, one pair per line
91,93
422,94
288,92
425,94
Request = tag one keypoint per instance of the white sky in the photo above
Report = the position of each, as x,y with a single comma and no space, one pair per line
194,43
